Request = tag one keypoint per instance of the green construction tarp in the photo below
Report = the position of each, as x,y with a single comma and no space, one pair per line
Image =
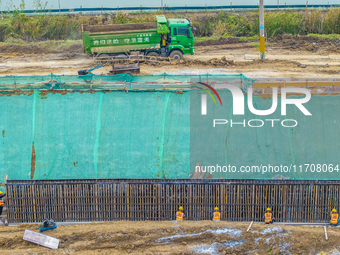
307,151
150,132
101,135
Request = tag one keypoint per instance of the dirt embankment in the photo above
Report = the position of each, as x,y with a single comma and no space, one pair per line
41,48
256,64
286,56
220,41
203,237
306,43
309,43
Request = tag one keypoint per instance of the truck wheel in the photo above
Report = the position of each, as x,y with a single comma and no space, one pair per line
176,55
121,59
152,57
103,59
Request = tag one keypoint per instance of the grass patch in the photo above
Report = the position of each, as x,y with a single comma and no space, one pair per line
13,41
52,45
257,45
209,25
250,38
330,36
206,38
49,45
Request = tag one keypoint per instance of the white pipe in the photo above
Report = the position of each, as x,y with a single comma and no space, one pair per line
250,226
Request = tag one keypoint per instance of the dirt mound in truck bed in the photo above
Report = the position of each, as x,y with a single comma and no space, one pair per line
119,27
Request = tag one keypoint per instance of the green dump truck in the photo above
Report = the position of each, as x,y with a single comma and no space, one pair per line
155,40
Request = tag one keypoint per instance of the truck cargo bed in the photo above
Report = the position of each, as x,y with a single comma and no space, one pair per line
119,27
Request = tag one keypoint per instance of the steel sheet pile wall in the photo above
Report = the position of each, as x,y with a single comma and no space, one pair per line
112,199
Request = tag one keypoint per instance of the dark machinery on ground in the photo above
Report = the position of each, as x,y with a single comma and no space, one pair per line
47,224
132,68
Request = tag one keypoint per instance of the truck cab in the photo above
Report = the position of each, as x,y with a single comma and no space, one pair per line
180,36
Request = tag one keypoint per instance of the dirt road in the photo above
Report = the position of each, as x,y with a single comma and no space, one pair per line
191,237
287,56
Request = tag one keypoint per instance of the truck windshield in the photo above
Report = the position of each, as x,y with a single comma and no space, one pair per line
184,31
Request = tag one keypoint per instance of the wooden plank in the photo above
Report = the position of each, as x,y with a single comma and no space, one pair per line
44,240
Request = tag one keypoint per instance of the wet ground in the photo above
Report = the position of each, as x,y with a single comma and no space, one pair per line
189,237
